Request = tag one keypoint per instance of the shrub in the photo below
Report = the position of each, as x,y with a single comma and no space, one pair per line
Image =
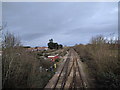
20,68
57,60
102,60
109,80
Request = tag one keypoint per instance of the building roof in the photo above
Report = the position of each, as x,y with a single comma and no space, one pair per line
38,48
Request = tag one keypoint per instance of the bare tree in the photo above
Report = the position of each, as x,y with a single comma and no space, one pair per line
98,40
9,40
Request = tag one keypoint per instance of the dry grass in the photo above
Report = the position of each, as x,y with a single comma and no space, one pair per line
103,63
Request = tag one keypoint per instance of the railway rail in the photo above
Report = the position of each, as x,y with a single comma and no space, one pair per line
69,76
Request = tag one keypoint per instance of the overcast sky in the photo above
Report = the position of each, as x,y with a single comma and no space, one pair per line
67,23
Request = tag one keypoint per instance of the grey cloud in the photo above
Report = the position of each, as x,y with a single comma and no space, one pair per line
65,22
33,36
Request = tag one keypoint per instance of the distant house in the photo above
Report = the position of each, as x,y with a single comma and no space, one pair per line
53,57
42,48
38,49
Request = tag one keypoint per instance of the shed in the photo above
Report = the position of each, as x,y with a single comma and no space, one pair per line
53,57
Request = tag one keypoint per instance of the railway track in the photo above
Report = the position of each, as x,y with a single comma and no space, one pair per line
69,76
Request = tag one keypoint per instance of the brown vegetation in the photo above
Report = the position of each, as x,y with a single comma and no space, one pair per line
102,60
20,68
